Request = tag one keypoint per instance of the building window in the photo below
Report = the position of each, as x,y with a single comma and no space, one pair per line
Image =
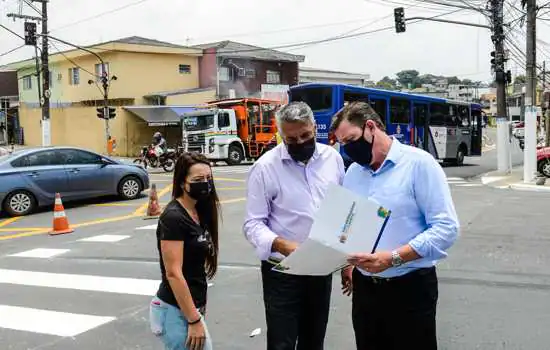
225,74
184,69
251,73
99,71
273,77
27,82
74,76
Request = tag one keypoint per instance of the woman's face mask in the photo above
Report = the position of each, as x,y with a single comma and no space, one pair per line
201,190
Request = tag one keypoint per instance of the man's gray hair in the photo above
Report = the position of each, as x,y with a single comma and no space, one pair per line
294,112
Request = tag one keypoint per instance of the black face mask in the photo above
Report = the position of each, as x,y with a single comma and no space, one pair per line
201,190
360,151
301,152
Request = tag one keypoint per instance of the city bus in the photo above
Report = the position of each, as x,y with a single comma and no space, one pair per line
454,127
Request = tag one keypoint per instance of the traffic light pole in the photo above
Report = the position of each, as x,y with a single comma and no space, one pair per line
106,114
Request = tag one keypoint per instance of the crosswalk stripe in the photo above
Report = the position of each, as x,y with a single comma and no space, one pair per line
62,324
43,253
105,238
149,227
121,285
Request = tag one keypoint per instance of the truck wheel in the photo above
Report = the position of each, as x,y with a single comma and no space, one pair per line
235,155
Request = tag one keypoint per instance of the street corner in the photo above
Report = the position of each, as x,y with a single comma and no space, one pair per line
530,187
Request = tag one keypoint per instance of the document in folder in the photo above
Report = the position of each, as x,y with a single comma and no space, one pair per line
345,223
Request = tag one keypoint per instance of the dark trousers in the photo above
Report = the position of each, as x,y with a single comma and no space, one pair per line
296,308
396,313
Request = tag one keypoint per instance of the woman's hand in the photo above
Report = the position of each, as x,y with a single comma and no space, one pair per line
196,336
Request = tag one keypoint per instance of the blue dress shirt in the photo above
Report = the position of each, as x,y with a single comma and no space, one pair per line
412,184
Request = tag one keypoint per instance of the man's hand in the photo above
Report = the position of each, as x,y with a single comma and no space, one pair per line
284,246
347,284
373,263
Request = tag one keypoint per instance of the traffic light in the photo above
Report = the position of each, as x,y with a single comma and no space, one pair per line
30,33
493,59
509,77
112,113
101,112
399,15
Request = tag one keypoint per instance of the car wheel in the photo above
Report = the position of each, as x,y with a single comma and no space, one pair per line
19,203
544,167
130,187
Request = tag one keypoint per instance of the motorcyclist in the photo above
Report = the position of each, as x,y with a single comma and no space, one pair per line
159,141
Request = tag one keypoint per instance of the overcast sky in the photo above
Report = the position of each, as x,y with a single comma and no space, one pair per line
429,47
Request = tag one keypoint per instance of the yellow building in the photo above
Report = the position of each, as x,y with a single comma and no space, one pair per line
148,73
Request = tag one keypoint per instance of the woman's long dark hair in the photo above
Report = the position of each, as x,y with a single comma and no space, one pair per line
208,210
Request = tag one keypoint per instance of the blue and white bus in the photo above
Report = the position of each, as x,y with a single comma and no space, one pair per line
454,128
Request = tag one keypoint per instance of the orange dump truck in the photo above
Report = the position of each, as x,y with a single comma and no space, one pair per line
231,130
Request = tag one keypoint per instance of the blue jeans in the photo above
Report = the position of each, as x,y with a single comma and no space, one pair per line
168,323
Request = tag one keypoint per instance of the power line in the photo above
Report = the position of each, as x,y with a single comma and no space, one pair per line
11,31
12,50
100,15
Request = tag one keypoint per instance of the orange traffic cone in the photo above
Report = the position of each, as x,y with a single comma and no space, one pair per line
153,208
60,221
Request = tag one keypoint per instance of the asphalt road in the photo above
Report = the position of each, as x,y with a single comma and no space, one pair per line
90,289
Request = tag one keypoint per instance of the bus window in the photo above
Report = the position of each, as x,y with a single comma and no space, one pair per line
464,115
420,114
438,114
354,97
400,111
380,107
318,99
452,119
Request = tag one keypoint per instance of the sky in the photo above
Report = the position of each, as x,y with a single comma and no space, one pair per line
429,47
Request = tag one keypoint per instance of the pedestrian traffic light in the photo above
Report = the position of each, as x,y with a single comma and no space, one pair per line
101,112
399,15
30,33
112,113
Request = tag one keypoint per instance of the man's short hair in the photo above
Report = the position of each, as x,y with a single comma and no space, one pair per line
357,113
294,112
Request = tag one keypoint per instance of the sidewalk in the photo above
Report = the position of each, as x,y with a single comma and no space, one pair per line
513,181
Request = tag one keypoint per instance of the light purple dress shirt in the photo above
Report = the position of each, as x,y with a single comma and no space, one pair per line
283,195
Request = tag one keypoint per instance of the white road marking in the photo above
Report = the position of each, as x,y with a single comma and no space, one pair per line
470,185
105,238
42,253
455,179
150,227
62,324
489,179
121,285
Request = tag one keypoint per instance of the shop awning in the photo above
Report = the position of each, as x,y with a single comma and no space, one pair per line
160,115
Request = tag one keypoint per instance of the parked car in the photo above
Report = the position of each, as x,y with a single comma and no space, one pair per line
543,161
30,178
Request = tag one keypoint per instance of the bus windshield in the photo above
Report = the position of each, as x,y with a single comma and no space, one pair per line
317,98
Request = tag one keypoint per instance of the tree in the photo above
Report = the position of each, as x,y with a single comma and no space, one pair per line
520,79
408,77
387,83
453,80
467,82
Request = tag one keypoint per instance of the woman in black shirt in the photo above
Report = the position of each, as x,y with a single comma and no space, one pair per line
187,241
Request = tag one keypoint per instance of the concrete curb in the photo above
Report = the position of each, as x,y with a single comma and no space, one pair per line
529,188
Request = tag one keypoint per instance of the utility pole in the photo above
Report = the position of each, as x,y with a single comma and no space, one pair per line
44,96
46,126
503,129
546,104
529,152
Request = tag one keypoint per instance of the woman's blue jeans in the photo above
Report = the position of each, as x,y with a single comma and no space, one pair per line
168,323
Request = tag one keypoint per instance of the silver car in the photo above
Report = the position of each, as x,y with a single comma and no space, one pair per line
30,178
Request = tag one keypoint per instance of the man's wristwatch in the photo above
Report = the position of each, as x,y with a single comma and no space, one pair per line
396,259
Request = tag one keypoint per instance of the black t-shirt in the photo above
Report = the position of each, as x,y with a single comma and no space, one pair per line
175,224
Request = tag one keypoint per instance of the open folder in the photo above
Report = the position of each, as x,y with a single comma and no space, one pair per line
345,223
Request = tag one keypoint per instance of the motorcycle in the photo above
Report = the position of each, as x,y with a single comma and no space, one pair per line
148,157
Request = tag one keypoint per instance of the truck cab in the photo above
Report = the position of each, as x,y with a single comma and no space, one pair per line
214,133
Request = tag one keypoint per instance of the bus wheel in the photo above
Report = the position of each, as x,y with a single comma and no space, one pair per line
460,154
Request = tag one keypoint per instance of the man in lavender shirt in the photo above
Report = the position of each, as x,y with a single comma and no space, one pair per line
285,188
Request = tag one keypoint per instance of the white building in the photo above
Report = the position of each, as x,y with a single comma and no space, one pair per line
313,75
